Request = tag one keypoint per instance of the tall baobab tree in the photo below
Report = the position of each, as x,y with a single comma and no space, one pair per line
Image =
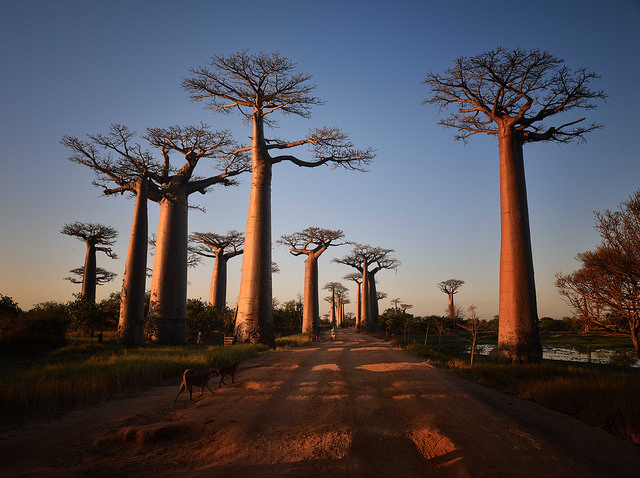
332,286
222,247
130,172
341,295
97,238
259,86
311,242
357,278
368,261
395,303
381,261
167,310
511,94
450,287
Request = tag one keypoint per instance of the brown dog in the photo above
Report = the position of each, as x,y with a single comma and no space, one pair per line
228,370
189,380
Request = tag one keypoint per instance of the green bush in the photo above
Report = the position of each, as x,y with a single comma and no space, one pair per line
202,317
87,317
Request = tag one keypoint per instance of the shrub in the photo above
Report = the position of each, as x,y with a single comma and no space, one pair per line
87,317
41,329
202,317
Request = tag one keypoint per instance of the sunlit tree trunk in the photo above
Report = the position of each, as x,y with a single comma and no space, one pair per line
364,302
358,302
218,291
374,313
131,323
254,322
89,276
518,339
311,309
452,310
168,308
332,316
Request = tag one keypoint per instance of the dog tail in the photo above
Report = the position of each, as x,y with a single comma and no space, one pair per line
186,372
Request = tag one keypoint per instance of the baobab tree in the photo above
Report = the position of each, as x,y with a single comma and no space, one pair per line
259,86
168,306
311,242
332,286
511,94
395,303
382,261
357,278
450,287
130,172
222,247
97,238
341,295
362,258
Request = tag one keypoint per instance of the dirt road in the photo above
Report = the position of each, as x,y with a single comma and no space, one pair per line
355,407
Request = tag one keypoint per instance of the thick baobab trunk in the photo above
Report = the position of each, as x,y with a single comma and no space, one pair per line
518,338
218,291
168,308
254,321
374,311
311,308
89,275
452,310
332,318
358,302
364,302
131,323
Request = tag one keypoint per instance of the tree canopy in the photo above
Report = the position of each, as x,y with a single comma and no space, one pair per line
514,88
605,291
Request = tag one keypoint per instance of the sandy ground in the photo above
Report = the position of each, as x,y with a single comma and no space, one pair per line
354,407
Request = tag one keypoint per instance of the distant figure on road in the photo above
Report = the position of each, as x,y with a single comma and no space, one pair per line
333,333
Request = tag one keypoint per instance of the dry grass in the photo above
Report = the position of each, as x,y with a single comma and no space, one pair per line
84,373
601,395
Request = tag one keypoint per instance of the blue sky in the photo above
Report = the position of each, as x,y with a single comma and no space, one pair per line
75,67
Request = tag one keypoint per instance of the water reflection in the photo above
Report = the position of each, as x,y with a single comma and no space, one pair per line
566,354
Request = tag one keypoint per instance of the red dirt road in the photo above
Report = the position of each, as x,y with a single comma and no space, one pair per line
355,407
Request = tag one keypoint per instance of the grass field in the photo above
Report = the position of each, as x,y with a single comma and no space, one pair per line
86,372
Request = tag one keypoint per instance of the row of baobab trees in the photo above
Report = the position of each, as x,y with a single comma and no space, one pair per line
511,94
311,242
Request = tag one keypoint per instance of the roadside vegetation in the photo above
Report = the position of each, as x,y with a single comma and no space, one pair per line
51,363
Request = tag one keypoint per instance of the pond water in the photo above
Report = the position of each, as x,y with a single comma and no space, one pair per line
566,354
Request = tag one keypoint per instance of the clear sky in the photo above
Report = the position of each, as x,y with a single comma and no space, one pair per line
73,67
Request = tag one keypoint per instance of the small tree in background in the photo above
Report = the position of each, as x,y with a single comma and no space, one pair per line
450,287
311,242
474,326
97,238
357,278
221,247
